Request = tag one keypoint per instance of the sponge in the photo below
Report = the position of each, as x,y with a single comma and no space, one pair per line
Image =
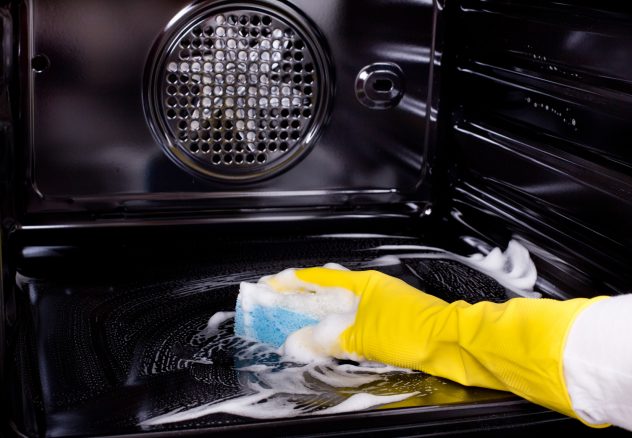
269,325
270,314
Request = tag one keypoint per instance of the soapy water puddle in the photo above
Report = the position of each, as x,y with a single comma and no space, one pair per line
275,387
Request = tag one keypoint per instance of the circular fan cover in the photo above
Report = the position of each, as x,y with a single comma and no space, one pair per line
238,93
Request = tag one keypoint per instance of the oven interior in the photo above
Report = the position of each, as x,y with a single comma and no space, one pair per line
156,154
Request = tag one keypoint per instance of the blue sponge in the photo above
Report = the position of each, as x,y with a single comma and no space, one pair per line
268,316
269,325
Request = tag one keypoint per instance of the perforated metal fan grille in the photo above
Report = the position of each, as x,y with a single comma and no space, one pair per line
238,92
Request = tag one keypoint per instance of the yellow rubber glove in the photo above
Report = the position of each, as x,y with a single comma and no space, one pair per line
515,346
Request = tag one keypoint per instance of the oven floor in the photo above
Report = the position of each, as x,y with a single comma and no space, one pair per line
119,343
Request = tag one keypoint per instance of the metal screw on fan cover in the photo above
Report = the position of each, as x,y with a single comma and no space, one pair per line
238,92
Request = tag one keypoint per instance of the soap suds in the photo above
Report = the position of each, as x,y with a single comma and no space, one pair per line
263,406
216,320
277,387
512,268
358,402
296,296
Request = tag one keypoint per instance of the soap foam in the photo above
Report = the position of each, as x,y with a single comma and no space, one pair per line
512,268
212,328
358,402
263,406
297,296
285,389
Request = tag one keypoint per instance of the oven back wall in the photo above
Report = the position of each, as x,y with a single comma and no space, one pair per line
91,148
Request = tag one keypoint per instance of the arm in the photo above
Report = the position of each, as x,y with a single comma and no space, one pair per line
598,363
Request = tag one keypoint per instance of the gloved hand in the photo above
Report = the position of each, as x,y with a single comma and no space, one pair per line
515,346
